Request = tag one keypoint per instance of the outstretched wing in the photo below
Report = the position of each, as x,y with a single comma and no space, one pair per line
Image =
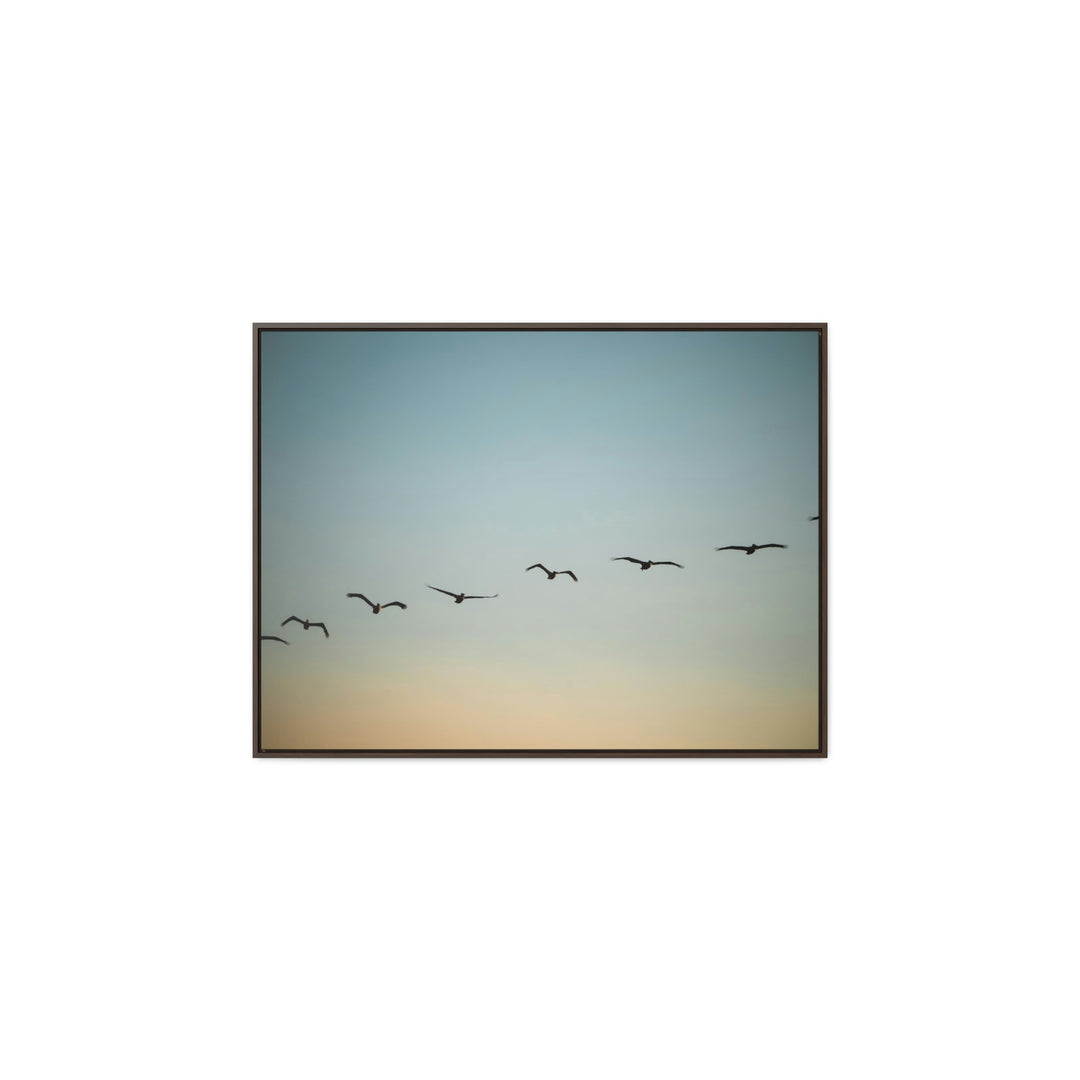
627,558
816,517
570,572
323,625
270,637
292,618
668,562
361,596
443,591
760,546
536,566
733,547
396,603
491,597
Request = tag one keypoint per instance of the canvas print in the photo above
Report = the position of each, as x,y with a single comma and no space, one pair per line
589,539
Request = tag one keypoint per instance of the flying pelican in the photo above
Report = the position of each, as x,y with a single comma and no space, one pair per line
459,597
751,549
647,563
376,608
552,574
307,624
270,637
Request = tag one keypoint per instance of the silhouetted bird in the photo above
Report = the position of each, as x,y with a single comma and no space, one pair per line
646,563
751,549
270,637
816,517
459,597
307,624
552,574
376,608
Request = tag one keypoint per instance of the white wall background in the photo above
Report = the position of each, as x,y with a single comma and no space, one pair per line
176,909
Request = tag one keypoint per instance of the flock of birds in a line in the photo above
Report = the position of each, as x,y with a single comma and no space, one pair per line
460,598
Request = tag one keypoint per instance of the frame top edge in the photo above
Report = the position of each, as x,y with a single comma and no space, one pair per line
820,326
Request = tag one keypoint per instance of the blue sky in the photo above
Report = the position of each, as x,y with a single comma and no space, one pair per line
395,459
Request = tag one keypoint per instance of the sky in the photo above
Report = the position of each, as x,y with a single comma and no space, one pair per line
392,460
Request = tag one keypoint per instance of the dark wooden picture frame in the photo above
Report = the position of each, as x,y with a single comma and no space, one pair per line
820,750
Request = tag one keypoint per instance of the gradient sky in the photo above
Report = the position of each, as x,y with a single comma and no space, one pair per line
395,459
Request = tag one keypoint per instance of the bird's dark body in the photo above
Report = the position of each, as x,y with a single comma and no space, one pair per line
551,574
375,608
460,598
307,624
751,549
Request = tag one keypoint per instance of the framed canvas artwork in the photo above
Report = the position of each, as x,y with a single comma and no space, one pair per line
540,539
